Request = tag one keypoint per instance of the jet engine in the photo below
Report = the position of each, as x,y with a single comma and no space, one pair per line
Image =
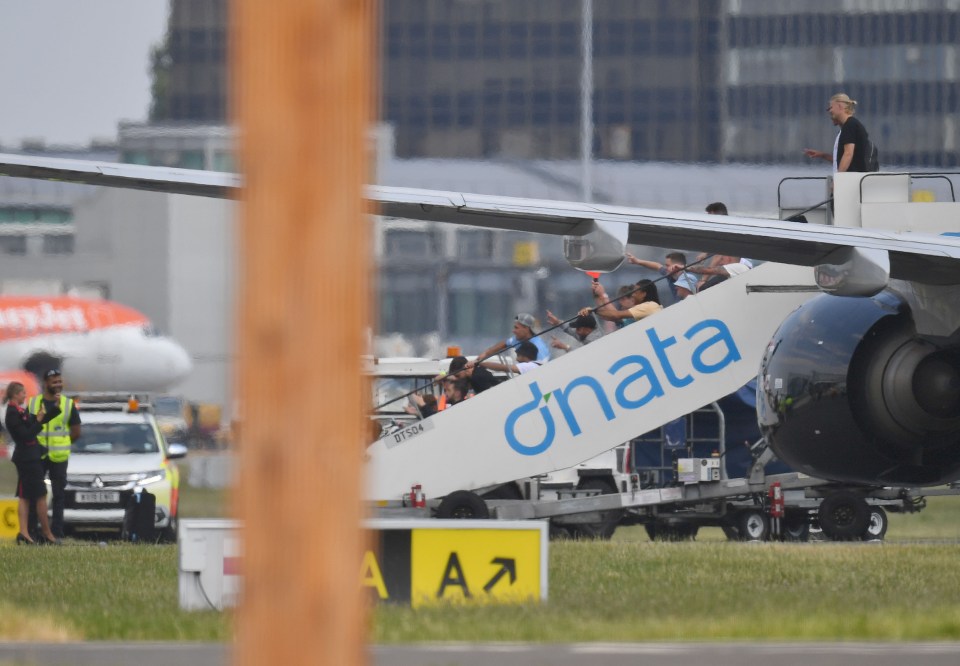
850,392
600,248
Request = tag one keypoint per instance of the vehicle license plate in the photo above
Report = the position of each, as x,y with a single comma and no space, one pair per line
99,497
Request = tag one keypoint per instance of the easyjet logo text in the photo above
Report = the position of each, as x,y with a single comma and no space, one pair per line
43,317
706,347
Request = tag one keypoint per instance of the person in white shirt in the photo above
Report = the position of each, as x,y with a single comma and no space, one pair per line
723,267
526,361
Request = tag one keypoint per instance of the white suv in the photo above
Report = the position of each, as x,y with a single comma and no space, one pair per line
117,453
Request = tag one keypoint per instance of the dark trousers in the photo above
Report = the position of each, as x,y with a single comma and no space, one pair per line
57,471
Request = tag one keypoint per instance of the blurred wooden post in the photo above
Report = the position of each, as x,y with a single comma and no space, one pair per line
301,96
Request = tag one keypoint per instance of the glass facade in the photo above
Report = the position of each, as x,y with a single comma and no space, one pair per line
698,81
36,229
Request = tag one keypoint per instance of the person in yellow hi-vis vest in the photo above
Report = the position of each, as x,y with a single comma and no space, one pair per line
57,435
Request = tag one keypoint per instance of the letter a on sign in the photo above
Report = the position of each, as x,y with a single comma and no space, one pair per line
453,576
371,576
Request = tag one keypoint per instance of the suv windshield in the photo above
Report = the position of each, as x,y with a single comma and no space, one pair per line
386,389
115,438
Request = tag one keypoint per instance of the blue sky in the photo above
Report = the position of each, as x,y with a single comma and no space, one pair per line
72,69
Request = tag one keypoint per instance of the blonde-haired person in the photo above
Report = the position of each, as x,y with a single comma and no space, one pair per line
852,141
27,456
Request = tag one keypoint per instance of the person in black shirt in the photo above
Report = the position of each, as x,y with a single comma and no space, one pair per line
850,146
28,458
479,377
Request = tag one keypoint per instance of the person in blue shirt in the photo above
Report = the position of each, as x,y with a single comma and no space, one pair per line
523,326
682,284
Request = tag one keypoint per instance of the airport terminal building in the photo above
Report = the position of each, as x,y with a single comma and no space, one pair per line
695,81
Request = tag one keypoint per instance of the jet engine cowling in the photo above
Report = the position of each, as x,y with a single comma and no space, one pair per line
850,392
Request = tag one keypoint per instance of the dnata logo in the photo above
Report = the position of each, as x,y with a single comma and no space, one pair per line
713,349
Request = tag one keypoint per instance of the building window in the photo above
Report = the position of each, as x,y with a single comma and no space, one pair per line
466,109
409,243
442,46
467,42
615,42
642,42
394,108
440,110
568,106
542,40
53,216
408,302
516,107
191,159
568,39
492,47
542,107
195,106
218,51
223,161
475,244
480,304
58,244
417,40
395,41
517,40
197,46
136,157
13,244
416,112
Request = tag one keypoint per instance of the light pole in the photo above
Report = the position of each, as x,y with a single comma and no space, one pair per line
586,102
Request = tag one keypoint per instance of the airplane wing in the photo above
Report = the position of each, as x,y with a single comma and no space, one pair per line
117,174
927,259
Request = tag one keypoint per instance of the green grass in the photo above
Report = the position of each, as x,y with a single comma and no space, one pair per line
84,591
617,591
628,589
940,520
714,591
203,502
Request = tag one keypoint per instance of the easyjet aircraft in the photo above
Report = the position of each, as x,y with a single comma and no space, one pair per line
99,345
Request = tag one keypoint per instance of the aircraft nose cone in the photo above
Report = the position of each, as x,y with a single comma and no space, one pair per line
180,363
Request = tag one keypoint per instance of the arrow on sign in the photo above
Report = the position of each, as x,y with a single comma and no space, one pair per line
507,565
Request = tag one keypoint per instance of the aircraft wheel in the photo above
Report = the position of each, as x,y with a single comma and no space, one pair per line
559,532
877,524
463,504
662,531
729,526
753,525
607,525
844,516
796,527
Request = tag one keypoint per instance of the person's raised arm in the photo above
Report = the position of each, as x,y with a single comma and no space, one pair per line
652,265
494,350
494,365
817,154
606,310
706,270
